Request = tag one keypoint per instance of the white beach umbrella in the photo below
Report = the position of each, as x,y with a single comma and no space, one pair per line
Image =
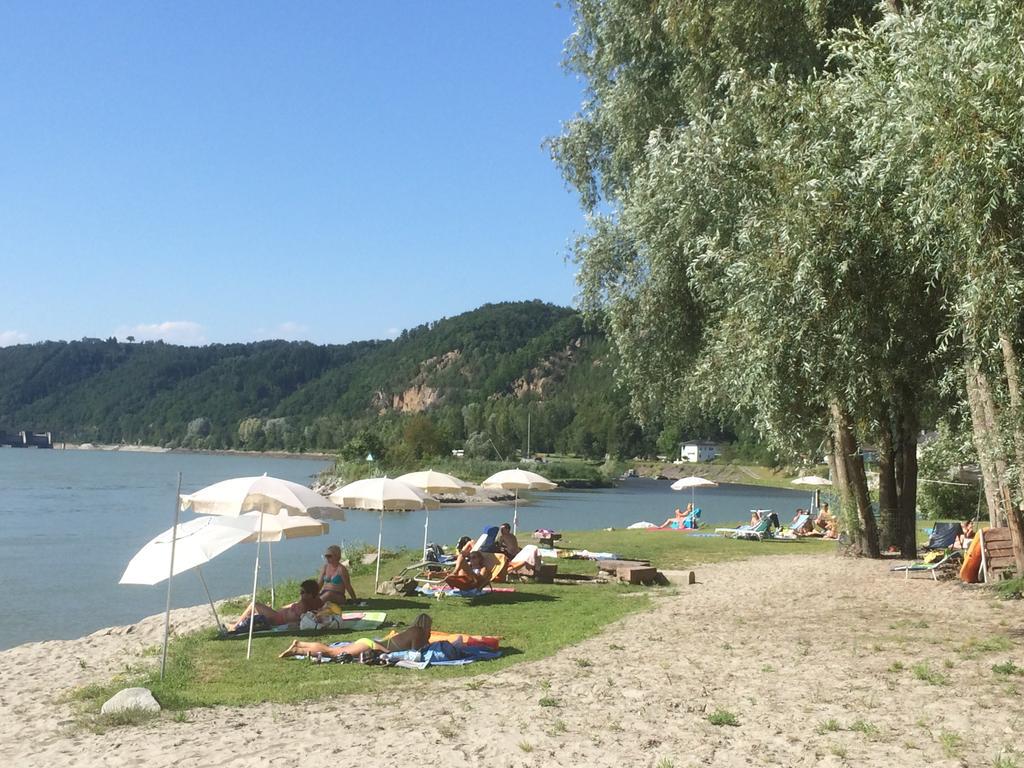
274,528
269,495
194,544
430,481
198,542
692,482
382,493
518,480
813,480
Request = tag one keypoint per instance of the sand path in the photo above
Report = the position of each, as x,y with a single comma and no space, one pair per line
787,644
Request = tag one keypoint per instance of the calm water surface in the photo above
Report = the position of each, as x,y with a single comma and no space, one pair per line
71,520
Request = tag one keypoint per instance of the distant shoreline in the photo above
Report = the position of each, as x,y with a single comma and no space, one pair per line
127,448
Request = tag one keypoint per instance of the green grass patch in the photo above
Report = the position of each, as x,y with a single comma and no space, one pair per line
1010,589
828,726
863,726
666,551
925,673
952,743
535,621
1007,669
723,717
974,648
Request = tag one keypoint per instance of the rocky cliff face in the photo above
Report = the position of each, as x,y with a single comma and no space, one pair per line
419,396
549,372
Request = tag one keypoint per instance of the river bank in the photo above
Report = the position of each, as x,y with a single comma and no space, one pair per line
816,665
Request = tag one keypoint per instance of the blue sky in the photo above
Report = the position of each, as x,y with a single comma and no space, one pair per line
207,172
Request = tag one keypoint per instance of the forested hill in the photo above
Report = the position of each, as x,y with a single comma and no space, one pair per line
467,380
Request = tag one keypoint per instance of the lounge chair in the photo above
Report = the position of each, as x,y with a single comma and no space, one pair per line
949,560
760,531
943,535
799,523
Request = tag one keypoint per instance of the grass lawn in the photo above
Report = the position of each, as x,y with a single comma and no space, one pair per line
534,621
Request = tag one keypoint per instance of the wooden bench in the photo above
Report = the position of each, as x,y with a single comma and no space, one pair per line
997,558
638,574
613,566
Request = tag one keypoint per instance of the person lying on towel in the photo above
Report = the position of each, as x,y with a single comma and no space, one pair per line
309,600
413,637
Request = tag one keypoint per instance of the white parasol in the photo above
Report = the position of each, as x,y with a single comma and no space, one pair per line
518,480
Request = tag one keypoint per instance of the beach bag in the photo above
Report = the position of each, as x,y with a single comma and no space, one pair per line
397,586
308,621
260,623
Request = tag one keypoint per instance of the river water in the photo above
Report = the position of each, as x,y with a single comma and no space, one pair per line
71,520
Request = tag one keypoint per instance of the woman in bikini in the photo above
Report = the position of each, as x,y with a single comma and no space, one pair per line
334,580
413,637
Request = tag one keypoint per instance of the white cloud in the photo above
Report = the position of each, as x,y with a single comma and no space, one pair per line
10,338
172,331
392,333
289,331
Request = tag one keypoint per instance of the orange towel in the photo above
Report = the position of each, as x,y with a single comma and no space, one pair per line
482,641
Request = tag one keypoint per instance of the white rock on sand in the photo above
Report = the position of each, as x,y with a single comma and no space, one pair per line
793,646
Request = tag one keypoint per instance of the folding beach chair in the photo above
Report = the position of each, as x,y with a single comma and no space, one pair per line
759,531
943,535
949,561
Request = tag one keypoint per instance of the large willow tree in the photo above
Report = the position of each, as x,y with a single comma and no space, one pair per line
735,255
937,95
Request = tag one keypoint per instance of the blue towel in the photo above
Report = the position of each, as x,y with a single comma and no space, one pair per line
444,654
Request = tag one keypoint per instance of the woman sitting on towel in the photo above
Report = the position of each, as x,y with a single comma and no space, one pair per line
309,600
413,637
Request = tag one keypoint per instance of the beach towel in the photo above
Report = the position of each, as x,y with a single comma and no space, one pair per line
578,554
355,620
441,653
446,590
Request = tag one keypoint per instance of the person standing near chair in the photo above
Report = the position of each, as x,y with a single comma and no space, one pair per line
334,579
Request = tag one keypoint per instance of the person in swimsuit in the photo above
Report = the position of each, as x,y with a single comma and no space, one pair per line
334,580
678,520
413,637
291,613
470,572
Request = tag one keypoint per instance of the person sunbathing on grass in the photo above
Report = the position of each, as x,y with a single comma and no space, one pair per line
412,638
309,600
678,520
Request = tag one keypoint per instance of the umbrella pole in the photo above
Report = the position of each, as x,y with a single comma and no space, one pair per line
216,618
270,560
426,523
252,605
380,538
515,514
170,577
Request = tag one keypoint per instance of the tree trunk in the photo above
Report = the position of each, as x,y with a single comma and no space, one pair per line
994,440
865,532
1014,517
888,494
906,479
980,437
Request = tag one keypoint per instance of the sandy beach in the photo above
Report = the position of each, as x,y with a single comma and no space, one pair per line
815,657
